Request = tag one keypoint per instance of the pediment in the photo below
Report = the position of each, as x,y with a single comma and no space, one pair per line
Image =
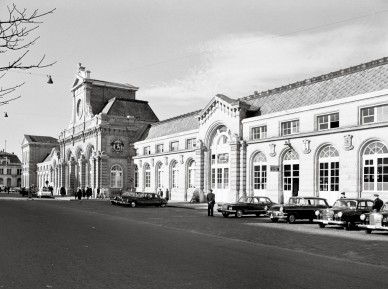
78,80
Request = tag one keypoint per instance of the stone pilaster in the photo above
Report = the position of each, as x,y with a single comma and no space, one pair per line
243,168
82,171
234,174
72,177
200,171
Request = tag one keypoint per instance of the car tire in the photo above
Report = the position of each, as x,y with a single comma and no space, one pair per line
368,231
291,219
239,213
321,225
225,215
274,220
133,204
348,226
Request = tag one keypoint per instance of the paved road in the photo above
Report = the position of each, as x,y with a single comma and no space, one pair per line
91,244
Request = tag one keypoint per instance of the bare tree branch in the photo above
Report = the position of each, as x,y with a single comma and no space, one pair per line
14,33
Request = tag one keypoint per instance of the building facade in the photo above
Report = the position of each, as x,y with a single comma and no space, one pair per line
10,170
317,137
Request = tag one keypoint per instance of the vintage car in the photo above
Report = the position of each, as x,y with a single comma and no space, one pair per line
345,212
116,200
375,221
44,192
245,206
297,208
143,199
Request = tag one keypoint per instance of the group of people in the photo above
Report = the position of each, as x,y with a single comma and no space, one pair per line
6,189
161,194
84,193
377,203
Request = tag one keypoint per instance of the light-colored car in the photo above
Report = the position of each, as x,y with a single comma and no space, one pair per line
44,192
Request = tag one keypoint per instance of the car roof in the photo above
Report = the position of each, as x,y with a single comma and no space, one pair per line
355,199
318,198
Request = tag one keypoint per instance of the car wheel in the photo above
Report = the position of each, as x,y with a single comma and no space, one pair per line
239,213
321,225
348,226
274,220
291,219
368,231
162,205
225,215
133,204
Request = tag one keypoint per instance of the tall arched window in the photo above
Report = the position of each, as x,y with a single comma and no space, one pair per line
329,169
291,172
160,174
116,177
375,167
191,175
136,176
174,174
147,176
260,172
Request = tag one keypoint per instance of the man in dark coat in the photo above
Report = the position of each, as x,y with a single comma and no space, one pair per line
211,200
377,204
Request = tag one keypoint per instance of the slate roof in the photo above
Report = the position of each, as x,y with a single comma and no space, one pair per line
40,139
181,123
12,158
368,77
124,107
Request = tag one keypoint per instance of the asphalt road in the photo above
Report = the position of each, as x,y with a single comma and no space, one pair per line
91,244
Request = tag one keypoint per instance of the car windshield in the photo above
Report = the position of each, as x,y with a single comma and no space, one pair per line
345,204
242,200
385,207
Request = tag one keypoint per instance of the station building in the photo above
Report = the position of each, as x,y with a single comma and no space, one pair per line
316,137
10,170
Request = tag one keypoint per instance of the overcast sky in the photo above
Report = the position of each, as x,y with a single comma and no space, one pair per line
183,52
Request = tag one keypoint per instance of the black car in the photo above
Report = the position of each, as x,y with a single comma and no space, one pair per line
345,212
246,205
297,208
144,199
375,221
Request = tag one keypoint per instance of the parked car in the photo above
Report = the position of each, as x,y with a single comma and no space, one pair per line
128,197
246,206
115,200
345,212
144,199
43,192
375,221
297,208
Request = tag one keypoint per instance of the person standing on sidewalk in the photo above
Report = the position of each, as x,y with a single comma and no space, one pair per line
211,200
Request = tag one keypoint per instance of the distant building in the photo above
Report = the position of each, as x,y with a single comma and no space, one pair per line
10,170
316,137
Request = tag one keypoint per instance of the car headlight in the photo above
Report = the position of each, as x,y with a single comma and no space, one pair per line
265,208
339,214
362,217
281,209
317,213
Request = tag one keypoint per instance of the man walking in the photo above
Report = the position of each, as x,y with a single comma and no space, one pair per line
378,203
211,200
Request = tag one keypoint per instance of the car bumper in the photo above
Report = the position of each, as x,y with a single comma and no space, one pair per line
226,211
277,215
330,222
373,227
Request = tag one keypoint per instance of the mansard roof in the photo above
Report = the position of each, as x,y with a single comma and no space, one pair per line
181,123
40,139
363,78
138,109
12,158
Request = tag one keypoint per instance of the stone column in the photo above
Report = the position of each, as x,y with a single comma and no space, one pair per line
234,174
92,165
82,171
243,168
199,170
71,177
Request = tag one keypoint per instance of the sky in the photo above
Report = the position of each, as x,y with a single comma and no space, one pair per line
181,53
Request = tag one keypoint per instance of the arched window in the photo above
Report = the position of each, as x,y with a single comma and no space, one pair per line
116,177
291,172
260,172
329,169
375,167
174,174
147,176
191,175
136,176
160,174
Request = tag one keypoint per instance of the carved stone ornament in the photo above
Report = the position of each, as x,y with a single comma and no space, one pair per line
140,163
117,145
306,146
152,162
272,152
182,161
166,161
348,142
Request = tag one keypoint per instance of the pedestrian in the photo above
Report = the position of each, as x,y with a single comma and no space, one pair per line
51,189
343,195
89,192
378,203
63,191
167,195
79,193
211,200
98,192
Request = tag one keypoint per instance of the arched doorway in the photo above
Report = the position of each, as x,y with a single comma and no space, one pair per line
290,174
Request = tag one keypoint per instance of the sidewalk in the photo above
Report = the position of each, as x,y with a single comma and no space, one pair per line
176,204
